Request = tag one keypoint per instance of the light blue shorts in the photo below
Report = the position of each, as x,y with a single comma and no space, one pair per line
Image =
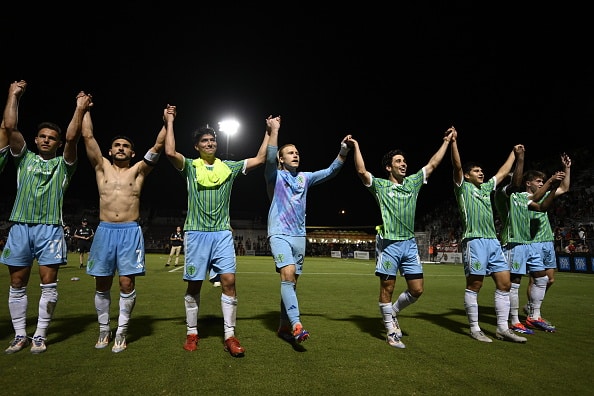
27,242
522,258
547,253
208,254
397,256
117,246
483,256
287,250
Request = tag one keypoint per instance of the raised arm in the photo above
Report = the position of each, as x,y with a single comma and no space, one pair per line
272,126
152,156
83,103
11,117
564,186
457,171
176,159
551,184
91,145
508,164
362,172
436,159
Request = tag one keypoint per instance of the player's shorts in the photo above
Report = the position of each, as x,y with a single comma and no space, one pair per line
208,254
287,250
83,246
522,258
28,242
547,252
397,256
483,256
117,247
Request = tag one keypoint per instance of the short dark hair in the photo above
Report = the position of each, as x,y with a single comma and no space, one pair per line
203,130
468,166
387,158
50,125
122,137
532,174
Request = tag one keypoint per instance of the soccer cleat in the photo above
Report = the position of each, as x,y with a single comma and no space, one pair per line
38,345
539,324
284,333
509,335
394,341
191,343
17,344
233,347
480,336
396,325
119,344
103,341
299,333
167,265
520,328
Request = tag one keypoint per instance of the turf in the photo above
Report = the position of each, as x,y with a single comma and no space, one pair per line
346,353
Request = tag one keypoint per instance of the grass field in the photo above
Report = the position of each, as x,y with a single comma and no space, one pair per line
346,354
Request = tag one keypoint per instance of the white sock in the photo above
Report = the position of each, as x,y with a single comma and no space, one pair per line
502,309
229,308
471,307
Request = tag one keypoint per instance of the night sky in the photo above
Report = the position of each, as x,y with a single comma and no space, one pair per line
395,82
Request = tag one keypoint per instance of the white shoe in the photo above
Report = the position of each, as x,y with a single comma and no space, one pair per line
509,335
480,336
394,341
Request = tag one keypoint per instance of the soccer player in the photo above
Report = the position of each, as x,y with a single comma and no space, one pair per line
287,189
396,247
37,233
208,236
481,250
118,244
544,241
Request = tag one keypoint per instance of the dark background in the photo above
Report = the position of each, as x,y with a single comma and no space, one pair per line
394,78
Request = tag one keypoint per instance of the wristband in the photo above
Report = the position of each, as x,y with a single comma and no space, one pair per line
344,149
151,158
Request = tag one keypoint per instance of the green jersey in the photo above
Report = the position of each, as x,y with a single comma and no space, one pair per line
475,208
208,206
41,185
3,158
398,204
516,228
541,225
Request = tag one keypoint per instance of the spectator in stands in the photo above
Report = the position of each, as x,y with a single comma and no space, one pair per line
118,244
570,248
287,189
544,240
481,250
84,237
176,240
208,236
396,246
37,213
